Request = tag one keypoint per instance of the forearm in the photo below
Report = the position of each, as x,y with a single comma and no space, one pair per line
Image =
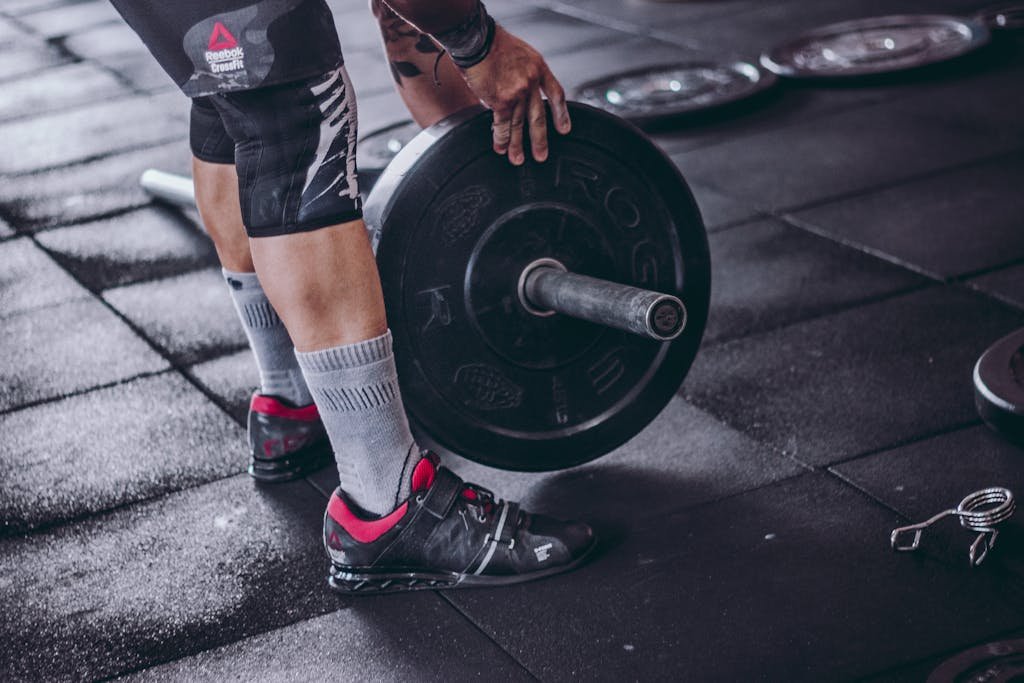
466,38
433,16
428,83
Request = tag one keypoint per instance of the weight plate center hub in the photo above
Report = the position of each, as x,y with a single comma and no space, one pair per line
485,376
540,234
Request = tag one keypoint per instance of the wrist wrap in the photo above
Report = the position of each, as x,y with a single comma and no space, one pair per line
469,42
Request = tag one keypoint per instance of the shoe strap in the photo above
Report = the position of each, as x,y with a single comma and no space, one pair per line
435,505
442,493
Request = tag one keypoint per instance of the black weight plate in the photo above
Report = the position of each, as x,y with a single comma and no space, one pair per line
675,91
999,662
877,45
376,150
1007,16
999,386
457,223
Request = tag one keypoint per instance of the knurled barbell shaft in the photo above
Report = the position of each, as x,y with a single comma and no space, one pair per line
640,311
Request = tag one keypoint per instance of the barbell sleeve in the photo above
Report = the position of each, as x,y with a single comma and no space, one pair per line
650,314
176,189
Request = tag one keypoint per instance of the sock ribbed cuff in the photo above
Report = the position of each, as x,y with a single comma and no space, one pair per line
347,356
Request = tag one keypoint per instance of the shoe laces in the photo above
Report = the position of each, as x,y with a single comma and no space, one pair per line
479,497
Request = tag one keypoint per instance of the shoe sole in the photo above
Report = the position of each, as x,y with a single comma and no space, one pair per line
363,581
289,469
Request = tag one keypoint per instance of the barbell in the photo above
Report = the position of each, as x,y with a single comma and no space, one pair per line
542,314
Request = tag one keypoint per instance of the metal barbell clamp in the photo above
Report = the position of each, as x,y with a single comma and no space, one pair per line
980,511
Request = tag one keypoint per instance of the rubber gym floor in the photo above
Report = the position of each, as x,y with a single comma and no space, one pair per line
867,246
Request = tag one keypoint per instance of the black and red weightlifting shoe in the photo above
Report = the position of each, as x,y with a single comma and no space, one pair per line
448,534
285,442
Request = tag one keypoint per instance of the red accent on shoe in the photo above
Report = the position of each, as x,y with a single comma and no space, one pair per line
423,474
363,530
268,405
469,494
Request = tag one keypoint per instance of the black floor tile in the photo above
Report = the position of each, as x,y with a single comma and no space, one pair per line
117,48
69,18
1006,284
381,110
719,210
232,379
66,137
573,68
144,74
27,58
551,33
139,245
30,279
343,6
106,40
777,108
412,638
977,209
849,383
767,274
506,9
994,659
161,580
358,31
646,15
924,478
57,89
370,73
17,7
84,191
760,26
833,155
791,582
978,99
684,451
190,316
51,352
112,447
10,33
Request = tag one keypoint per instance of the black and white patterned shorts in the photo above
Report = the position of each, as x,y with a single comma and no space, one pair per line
270,95
294,147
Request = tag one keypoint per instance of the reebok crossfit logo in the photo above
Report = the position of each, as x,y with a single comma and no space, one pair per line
224,54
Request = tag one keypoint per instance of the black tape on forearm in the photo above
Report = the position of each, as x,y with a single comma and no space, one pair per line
470,41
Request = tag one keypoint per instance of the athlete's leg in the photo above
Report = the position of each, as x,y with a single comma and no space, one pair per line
326,286
217,200
216,186
285,437
428,82
324,283
295,152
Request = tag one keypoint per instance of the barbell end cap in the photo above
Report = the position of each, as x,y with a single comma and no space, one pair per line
666,318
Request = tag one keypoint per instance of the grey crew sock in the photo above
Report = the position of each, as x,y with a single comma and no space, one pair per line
356,391
280,374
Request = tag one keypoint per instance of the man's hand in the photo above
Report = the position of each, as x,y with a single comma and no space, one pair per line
510,81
